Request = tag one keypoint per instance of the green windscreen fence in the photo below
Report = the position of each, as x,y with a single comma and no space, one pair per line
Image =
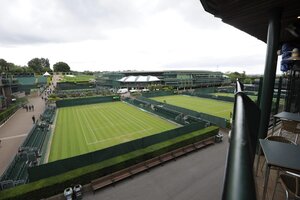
65,165
27,83
84,101
27,80
165,112
157,93
74,86
207,90
42,80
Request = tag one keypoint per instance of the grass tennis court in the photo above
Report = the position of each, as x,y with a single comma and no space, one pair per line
252,97
77,78
204,105
83,129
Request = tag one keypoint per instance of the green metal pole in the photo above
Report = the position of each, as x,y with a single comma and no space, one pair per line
270,71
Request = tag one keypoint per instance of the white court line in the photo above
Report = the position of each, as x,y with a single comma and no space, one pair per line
103,115
81,126
113,138
109,126
88,124
128,114
12,137
131,115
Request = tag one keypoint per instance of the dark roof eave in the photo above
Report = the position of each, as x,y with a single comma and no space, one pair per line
211,7
253,17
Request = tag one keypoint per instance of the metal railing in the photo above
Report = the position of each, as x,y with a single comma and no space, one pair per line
239,180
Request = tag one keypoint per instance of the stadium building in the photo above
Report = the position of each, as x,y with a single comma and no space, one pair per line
8,86
12,85
179,79
138,82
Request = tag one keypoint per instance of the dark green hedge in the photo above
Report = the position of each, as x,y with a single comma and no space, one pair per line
4,115
84,101
8,112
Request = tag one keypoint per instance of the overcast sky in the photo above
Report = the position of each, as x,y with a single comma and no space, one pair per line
106,35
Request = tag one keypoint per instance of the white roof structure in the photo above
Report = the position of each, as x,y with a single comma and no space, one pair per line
139,79
46,74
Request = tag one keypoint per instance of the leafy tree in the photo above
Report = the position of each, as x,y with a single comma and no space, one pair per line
36,65
45,62
248,81
235,75
241,76
88,73
3,65
12,67
27,69
19,69
61,67
47,69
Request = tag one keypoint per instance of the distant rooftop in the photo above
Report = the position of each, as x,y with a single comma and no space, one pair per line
130,79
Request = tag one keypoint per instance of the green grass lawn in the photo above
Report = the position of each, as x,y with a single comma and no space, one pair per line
204,105
252,97
83,129
77,78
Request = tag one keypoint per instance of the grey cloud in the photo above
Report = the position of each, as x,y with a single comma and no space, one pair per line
192,12
103,13
21,38
202,63
63,21
77,20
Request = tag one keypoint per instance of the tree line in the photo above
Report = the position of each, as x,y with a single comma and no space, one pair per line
35,65
241,76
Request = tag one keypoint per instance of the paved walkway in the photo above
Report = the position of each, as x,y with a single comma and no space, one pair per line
14,131
198,175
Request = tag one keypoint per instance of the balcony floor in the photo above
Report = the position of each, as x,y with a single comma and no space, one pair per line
279,195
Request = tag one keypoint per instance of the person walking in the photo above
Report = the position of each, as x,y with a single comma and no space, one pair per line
33,119
32,108
26,107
